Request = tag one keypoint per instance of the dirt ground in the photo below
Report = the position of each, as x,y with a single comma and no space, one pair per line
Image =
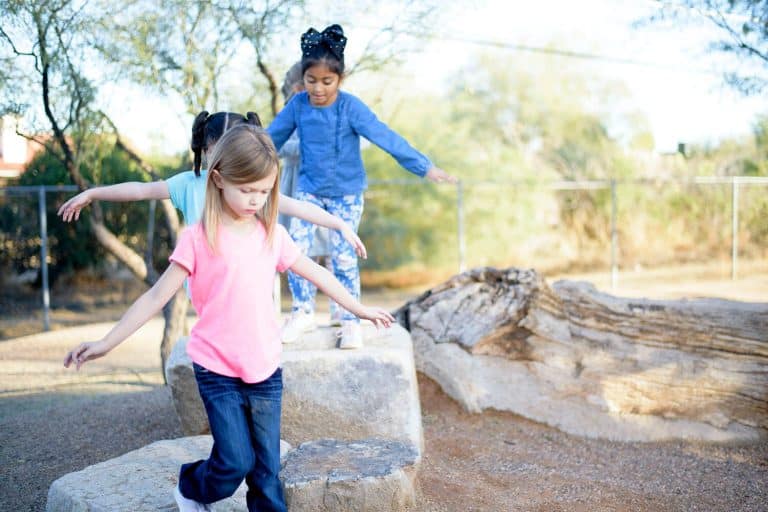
53,422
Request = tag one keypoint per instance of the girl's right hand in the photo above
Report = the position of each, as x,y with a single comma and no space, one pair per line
85,352
70,210
379,316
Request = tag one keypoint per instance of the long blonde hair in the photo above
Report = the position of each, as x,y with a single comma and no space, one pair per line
244,154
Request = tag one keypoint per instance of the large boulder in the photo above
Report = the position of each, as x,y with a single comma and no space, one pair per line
328,393
593,364
139,481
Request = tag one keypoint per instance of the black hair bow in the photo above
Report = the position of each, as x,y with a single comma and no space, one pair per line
332,39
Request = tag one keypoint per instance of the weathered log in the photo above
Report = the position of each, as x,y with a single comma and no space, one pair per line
594,364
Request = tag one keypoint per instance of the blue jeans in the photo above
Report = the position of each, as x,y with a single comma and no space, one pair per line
348,208
245,425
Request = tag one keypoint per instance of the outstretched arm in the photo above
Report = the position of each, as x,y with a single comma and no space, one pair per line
365,123
316,215
324,280
145,307
129,191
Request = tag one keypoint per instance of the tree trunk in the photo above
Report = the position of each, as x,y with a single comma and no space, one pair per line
594,364
175,315
64,139
175,312
271,83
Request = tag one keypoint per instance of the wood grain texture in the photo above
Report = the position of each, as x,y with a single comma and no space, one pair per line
699,364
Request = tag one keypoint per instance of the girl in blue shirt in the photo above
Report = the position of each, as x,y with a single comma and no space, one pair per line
330,123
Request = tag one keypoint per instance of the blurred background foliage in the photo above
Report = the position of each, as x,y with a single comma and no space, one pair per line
508,132
72,246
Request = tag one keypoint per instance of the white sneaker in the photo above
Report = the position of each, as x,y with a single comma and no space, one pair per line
351,335
187,505
297,324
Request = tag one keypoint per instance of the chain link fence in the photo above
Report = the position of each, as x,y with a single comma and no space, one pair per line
422,232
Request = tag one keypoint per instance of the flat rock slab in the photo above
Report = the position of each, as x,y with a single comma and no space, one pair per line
329,475
139,481
328,393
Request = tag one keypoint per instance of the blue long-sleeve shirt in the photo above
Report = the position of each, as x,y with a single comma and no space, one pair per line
331,163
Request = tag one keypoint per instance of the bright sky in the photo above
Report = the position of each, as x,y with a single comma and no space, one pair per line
680,91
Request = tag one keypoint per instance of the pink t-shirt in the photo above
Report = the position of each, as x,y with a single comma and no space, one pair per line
236,333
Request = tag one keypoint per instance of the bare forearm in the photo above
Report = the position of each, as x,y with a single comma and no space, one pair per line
309,212
326,282
137,315
334,289
147,306
129,191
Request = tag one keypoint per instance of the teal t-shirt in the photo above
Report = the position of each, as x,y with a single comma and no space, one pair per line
187,193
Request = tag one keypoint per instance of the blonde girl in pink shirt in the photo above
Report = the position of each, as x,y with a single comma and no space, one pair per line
230,259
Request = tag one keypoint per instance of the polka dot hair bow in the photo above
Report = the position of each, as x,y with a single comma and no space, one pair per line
332,39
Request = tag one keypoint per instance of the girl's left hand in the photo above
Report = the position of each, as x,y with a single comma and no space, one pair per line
351,237
379,316
85,352
437,175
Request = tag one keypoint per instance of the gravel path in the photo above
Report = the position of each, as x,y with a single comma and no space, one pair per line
53,422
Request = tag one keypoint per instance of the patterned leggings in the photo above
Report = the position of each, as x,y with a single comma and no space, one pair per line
350,209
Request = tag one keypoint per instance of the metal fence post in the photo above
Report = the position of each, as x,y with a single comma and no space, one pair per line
734,227
44,255
614,238
460,224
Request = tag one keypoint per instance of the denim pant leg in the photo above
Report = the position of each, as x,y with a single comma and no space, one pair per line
303,233
232,456
345,268
265,491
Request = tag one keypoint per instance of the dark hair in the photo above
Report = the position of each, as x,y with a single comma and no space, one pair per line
206,130
326,47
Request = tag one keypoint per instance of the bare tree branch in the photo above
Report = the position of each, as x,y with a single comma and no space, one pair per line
17,52
48,147
744,25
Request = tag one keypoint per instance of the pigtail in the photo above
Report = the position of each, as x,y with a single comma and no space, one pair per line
198,139
253,119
